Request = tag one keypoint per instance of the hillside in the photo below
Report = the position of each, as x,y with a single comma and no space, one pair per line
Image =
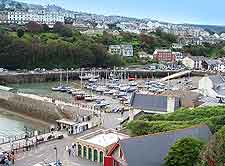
38,46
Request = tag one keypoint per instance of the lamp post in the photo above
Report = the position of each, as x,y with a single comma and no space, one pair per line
26,137
56,154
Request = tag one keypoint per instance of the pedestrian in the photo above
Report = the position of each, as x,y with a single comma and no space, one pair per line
67,148
13,157
69,151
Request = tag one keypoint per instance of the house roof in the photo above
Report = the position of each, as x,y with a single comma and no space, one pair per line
151,102
197,58
212,62
152,149
217,80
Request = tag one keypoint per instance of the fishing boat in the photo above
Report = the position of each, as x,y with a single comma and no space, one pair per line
131,78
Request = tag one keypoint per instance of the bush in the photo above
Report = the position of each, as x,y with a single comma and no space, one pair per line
214,153
34,27
185,152
20,32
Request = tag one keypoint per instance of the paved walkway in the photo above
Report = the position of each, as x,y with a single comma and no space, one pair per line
45,153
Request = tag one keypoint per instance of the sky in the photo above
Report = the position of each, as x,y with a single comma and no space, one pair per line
208,12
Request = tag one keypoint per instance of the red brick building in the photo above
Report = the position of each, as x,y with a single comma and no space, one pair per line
164,55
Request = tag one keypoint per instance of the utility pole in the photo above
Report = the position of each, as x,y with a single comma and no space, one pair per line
26,137
56,154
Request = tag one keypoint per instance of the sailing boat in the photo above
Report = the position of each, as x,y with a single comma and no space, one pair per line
58,87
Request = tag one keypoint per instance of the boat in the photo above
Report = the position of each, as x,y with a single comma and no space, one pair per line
79,97
92,80
101,89
124,88
131,78
133,83
89,98
132,89
110,92
122,94
77,92
89,76
102,104
57,88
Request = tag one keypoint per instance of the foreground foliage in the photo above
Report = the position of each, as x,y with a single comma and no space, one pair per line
214,117
185,152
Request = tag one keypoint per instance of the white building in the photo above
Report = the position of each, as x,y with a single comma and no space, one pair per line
122,50
193,62
143,54
212,86
41,17
179,56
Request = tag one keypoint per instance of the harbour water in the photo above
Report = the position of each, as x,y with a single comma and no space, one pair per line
12,125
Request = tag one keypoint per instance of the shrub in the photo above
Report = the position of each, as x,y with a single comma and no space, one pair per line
185,152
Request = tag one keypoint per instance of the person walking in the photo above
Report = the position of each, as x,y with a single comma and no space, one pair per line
69,151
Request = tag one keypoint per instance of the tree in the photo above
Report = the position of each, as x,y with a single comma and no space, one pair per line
214,153
45,27
20,32
34,27
66,32
58,26
185,152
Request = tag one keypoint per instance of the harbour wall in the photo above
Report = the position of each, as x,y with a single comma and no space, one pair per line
20,78
37,109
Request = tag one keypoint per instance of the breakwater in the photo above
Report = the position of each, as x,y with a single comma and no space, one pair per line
20,78
37,109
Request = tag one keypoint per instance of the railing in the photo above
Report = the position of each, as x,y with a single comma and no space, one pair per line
30,134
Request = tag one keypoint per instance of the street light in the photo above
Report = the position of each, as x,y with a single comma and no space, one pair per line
56,154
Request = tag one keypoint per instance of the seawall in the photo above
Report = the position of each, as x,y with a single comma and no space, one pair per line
37,109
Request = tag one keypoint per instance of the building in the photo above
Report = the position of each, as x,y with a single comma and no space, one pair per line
179,56
122,50
82,122
193,62
115,49
212,86
177,46
151,150
41,17
95,146
3,17
212,64
164,55
143,54
154,104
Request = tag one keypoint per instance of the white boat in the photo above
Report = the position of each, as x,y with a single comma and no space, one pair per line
124,88
92,80
57,88
133,83
89,98
88,77
101,89
78,92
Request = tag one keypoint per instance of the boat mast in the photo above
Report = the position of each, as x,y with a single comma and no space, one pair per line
67,77
81,78
60,78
